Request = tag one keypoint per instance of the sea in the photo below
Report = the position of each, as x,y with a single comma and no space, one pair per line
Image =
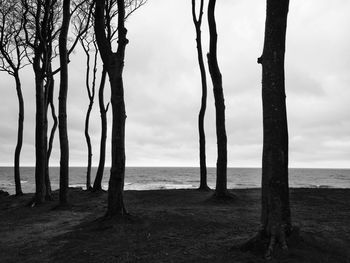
152,178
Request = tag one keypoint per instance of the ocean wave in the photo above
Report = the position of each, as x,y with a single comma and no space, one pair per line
157,186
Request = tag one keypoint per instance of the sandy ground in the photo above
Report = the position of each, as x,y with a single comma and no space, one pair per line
169,226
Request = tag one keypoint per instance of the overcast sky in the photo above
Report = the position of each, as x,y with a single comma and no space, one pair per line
163,90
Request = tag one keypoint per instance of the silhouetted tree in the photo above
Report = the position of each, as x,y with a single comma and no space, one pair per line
42,25
202,158
114,64
275,216
103,112
221,164
88,43
49,86
12,54
91,94
111,30
38,17
62,110
275,212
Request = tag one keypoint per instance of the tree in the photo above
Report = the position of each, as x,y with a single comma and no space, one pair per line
103,112
88,43
38,21
42,25
12,54
62,110
91,95
114,64
221,164
275,215
275,212
110,13
202,158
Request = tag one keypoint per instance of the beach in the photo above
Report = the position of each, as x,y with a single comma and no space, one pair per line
169,226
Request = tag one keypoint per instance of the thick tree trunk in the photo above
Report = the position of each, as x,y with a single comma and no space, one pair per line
275,216
40,134
202,157
62,116
19,135
221,165
103,112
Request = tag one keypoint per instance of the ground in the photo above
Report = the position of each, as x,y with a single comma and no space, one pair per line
169,226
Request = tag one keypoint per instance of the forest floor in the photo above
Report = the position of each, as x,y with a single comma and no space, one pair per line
169,226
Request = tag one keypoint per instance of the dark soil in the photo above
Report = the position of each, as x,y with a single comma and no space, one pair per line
170,226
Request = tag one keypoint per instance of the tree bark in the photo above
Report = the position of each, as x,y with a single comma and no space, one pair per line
50,89
19,135
40,133
221,164
103,112
62,117
40,67
91,95
275,215
202,156
114,64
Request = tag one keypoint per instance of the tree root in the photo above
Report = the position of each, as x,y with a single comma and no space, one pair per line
273,245
277,237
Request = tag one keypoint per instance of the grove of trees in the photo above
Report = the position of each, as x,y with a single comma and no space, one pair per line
31,32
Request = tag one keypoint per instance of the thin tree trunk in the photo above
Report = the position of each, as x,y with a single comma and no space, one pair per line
275,215
62,116
50,90
19,135
202,156
221,164
91,94
114,63
103,112
88,142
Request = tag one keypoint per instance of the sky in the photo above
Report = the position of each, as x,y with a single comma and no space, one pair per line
163,89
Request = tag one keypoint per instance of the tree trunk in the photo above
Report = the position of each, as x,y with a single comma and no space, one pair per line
116,181
50,89
62,116
202,157
40,134
221,165
88,142
275,216
114,63
19,135
91,95
103,112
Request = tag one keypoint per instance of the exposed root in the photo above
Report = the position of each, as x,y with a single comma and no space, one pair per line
275,245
